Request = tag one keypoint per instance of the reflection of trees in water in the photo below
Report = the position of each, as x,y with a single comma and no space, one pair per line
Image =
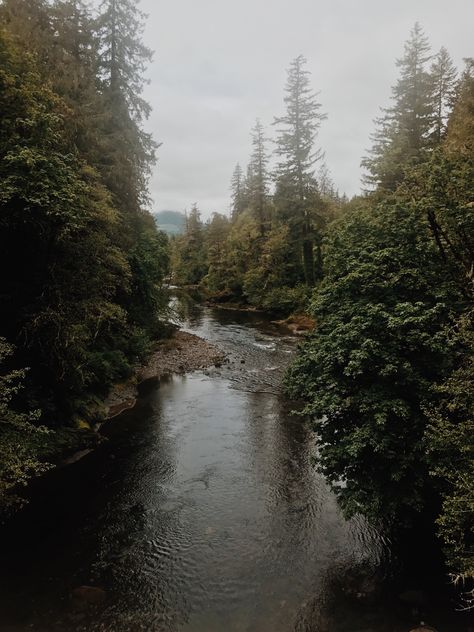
357,597
187,307
304,522
140,537
346,600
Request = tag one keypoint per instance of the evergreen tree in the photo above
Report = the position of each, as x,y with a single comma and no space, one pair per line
404,129
123,56
443,77
237,192
217,231
296,184
75,77
460,138
190,254
258,185
128,151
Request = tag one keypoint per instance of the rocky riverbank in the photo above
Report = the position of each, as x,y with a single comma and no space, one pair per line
182,353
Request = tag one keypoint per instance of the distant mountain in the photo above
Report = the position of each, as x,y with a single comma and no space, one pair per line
170,222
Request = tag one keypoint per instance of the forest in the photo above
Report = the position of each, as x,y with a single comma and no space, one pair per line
82,261
386,377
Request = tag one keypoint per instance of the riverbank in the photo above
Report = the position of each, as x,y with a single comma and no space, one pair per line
180,354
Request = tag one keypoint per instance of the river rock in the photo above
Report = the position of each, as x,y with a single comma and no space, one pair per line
85,597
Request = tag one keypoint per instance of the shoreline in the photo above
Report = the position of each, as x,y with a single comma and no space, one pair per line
182,353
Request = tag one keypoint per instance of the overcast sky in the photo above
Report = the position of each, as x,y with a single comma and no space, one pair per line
219,64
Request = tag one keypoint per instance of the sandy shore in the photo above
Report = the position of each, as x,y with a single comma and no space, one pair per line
182,353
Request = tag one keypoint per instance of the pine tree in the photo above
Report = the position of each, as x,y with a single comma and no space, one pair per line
404,129
237,192
443,76
460,138
123,55
258,185
217,231
191,265
296,183
128,151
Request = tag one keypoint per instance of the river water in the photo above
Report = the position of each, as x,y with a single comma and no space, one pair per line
203,513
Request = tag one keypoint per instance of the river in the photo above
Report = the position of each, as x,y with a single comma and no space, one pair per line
202,513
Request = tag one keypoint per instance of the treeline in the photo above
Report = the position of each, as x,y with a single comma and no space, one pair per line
269,252
81,260
388,373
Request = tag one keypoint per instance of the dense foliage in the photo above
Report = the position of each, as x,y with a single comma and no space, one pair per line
381,342
81,260
387,373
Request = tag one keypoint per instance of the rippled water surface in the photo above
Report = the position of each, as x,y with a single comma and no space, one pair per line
202,513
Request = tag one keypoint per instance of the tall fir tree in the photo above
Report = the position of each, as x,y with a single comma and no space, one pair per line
404,129
460,138
295,146
258,184
444,80
237,186
128,151
190,260
75,78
